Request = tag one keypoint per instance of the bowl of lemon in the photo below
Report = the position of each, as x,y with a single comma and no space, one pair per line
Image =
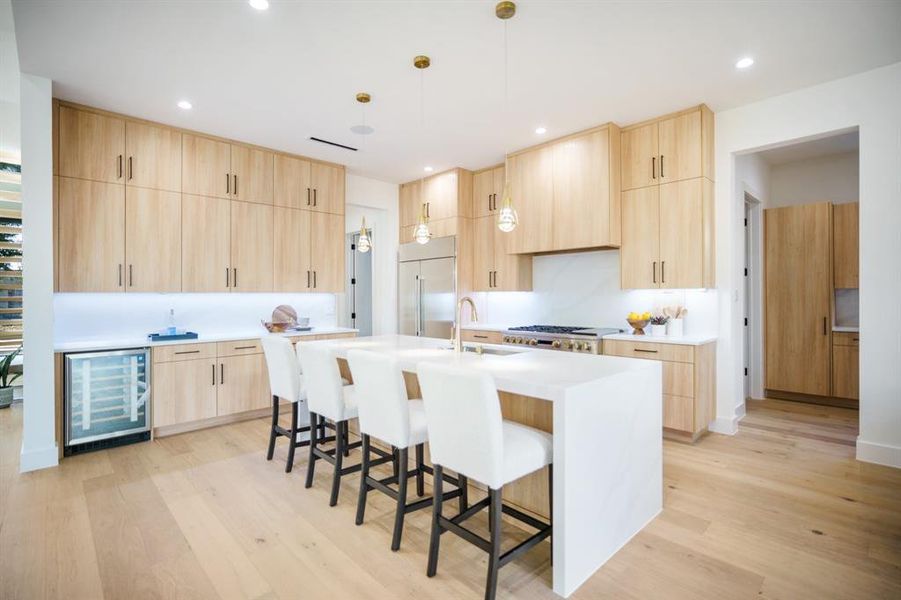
638,321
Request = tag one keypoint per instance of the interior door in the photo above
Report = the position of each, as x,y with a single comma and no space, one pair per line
679,141
291,257
205,245
252,174
205,166
681,234
798,335
408,297
640,250
639,157
251,247
154,156
438,297
152,240
91,146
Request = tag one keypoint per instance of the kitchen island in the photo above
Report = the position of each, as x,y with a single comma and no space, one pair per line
605,414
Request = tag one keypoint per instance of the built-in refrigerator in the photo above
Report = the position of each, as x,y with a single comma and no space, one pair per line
426,281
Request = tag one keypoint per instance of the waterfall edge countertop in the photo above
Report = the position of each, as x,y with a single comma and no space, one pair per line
607,419
136,341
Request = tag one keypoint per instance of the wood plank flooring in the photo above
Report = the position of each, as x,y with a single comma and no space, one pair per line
780,510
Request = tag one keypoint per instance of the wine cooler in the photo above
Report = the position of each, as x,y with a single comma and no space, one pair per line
107,400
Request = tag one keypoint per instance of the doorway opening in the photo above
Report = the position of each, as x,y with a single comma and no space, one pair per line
358,306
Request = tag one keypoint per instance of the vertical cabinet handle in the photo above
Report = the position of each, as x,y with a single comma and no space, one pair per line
314,201
221,373
228,189
235,191
226,278
120,168
314,277
824,326
661,166
120,275
663,270
214,373
654,273
489,278
235,277
308,204
308,279
653,167
130,277
130,169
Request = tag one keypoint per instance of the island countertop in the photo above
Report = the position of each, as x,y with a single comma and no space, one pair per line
524,371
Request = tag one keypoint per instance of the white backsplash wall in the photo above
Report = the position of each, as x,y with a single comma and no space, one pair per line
104,316
582,289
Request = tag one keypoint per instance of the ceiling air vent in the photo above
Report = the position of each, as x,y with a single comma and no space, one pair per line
322,141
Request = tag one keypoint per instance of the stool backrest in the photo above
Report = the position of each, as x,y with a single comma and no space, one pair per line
463,416
284,372
325,394
381,396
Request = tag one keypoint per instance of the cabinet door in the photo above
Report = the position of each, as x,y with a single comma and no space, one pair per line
327,252
582,215
206,166
291,256
91,146
152,240
679,140
483,234
184,391
205,244
293,188
91,236
441,195
243,384
153,157
410,205
252,174
532,188
678,413
328,188
845,245
681,234
483,194
640,250
251,247
846,372
639,157
512,272
798,292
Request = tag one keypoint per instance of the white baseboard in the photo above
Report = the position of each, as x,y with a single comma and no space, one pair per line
42,458
728,425
880,454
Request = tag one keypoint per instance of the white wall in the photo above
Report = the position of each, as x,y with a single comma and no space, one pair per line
39,416
870,101
832,178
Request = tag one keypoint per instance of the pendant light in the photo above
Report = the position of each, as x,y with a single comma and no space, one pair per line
507,219
421,234
364,243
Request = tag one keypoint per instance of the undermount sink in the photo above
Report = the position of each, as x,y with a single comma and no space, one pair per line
476,350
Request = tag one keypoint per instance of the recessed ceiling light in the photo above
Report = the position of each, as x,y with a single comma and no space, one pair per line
428,169
259,4
184,105
540,130
744,63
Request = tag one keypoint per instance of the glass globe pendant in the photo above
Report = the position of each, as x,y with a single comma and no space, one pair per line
421,234
507,219
364,244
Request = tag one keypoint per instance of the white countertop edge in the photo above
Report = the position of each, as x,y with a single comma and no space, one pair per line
843,329
486,327
140,342
684,340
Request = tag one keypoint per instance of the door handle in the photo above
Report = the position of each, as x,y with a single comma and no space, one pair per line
226,278
130,278
489,278
308,279
653,167
120,167
662,265
221,373
120,275
214,373
236,185
228,188
315,198
130,169
308,204
314,272
641,350
661,166
824,326
235,277
654,276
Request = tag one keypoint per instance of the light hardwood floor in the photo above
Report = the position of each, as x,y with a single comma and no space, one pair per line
781,510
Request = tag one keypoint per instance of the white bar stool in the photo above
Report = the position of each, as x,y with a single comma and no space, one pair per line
388,414
286,383
468,435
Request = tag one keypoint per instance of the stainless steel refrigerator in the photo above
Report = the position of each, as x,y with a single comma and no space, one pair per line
427,287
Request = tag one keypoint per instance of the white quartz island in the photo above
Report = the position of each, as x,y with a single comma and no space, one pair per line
606,422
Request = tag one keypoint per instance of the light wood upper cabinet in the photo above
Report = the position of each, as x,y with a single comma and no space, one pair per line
293,185
205,248
153,156
251,247
679,146
91,236
91,146
441,195
152,240
846,229
252,174
487,191
532,187
328,188
184,391
681,239
483,254
243,384
206,166
640,252
410,204
327,252
291,267
494,269
639,157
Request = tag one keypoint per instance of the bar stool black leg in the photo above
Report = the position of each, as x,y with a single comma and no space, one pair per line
321,422
420,471
291,438
272,434
340,449
364,487
437,501
313,441
464,492
395,465
346,431
401,500
494,555
550,503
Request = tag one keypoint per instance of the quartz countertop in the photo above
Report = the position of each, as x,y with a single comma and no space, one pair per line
845,329
111,343
686,340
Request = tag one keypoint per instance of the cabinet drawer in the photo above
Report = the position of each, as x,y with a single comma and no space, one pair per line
678,412
666,352
678,379
239,348
845,338
485,337
176,352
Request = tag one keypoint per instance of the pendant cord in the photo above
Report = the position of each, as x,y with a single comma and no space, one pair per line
506,107
422,138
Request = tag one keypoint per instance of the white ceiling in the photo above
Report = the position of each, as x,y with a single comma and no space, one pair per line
824,146
277,77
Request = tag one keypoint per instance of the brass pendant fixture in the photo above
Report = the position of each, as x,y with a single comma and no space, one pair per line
364,244
421,233
507,219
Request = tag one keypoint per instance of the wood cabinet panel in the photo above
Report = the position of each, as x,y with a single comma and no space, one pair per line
152,240
293,186
410,204
206,166
483,256
845,338
681,239
205,246
441,195
678,412
184,391
91,146
533,193
482,336
512,272
153,156
656,351
291,255
640,250
252,174
483,193
327,252
243,384
798,288
238,348
91,236
678,379
639,157
846,259
846,372
328,188
173,352
251,247
679,146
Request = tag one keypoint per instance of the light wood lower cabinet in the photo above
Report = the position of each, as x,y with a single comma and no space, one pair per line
482,336
846,365
243,384
184,391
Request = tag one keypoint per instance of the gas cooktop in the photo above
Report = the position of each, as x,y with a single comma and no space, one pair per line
559,337
565,330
